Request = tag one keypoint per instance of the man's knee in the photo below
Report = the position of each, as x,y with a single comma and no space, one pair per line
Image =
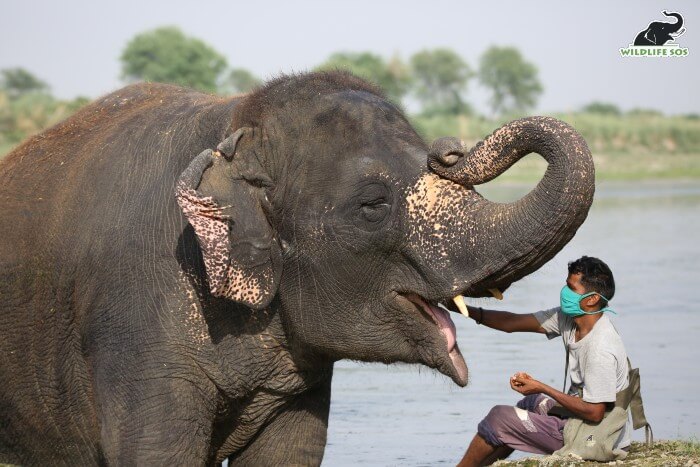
498,413
493,425
537,403
530,402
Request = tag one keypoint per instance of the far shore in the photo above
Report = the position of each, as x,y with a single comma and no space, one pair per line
613,167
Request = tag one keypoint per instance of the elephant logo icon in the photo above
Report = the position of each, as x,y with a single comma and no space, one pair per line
658,39
660,32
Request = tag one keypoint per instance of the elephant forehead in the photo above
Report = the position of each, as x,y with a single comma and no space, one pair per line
367,165
359,105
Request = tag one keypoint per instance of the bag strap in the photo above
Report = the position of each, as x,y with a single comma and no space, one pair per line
565,338
557,409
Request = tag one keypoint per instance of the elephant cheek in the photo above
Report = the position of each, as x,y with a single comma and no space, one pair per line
437,219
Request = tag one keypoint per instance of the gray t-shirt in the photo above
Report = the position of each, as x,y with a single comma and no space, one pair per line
597,363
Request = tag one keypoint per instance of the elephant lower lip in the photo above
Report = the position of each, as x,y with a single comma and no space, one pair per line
460,366
456,368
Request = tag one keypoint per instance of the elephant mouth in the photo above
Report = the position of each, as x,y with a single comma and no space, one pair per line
449,360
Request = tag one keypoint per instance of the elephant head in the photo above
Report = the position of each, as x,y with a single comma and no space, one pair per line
328,208
659,32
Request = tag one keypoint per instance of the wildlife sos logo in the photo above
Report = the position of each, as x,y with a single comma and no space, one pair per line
658,39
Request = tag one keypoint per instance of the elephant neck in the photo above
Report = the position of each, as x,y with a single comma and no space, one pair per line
262,359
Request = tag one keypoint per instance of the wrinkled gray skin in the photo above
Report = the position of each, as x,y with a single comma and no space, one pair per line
161,303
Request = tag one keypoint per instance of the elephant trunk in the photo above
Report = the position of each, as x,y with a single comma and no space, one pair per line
679,22
517,238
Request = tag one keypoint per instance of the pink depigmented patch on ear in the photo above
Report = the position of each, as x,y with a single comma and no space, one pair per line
226,278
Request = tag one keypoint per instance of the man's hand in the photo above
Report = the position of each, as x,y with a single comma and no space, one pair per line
525,384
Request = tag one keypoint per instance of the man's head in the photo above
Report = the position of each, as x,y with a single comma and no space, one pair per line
588,274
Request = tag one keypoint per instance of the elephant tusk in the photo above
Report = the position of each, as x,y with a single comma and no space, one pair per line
459,301
496,294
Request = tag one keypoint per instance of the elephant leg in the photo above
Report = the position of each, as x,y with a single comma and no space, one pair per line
296,436
160,421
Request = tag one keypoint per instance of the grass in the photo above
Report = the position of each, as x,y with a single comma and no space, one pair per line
627,147
684,453
626,166
637,133
619,166
6,148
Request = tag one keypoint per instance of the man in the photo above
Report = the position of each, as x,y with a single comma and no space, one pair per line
597,367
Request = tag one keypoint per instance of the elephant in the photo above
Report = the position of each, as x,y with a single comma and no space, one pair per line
659,32
180,271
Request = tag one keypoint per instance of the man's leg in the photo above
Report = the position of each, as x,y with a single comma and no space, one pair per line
506,428
480,453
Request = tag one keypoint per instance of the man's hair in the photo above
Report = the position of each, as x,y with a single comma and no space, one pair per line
596,276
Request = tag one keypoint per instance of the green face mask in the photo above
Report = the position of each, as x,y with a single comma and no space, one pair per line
570,303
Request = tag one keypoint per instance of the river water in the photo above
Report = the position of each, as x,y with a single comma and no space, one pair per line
647,233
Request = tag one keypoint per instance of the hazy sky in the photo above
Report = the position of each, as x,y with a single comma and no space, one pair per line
75,45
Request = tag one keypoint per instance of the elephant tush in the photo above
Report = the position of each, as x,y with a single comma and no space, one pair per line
660,32
162,302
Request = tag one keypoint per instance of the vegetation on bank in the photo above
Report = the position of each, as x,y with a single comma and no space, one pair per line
625,147
631,146
30,113
681,453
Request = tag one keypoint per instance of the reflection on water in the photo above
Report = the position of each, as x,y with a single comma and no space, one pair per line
647,233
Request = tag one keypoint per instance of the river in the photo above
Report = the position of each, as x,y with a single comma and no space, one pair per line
647,233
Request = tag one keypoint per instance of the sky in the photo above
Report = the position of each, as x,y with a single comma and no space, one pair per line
75,45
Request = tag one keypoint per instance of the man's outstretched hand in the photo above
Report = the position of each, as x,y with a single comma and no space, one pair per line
525,384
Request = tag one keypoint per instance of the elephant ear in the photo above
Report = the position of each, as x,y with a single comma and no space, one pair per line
222,194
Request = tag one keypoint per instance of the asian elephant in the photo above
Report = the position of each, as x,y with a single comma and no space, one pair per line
660,32
166,302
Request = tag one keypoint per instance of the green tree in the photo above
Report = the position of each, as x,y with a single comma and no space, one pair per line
167,55
240,80
31,113
393,76
512,80
440,78
15,82
602,108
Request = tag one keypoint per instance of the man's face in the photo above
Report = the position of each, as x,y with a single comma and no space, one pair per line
574,283
590,303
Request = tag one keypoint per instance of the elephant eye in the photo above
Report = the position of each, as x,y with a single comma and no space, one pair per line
370,205
375,211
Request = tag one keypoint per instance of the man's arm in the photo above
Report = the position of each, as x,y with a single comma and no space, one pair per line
505,320
589,411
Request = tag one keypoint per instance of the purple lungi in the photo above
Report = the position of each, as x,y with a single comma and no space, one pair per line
526,427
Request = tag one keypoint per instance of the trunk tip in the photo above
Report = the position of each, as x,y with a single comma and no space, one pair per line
446,152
